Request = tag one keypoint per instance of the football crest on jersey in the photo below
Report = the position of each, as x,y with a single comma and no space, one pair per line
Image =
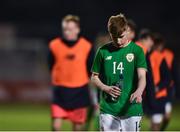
130,57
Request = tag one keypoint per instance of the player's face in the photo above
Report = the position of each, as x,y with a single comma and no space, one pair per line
160,47
149,43
123,39
70,30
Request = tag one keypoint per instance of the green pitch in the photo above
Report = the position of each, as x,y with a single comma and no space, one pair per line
36,117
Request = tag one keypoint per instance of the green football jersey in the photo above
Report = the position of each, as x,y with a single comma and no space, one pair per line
111,62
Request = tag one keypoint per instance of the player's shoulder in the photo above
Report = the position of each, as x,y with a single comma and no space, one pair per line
168,51
85,40
54,41
156,56
136,47
106,46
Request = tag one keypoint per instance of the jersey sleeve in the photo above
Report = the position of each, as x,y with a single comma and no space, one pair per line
140,59
96,67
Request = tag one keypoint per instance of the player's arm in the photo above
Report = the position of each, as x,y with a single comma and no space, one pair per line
112,90
51,60
90,60
165,76
96,69
141,67
137,95
150,87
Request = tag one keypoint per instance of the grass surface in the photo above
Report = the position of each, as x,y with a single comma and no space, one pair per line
37,117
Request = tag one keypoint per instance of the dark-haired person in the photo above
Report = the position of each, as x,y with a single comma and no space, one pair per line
145,40
69,61
119,71
162,79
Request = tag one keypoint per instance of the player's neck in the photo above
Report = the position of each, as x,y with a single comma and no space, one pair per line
128,42
122,46
70,43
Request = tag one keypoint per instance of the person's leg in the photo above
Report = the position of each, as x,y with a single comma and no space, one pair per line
90,115
92,108
167,116
156,121
78,126
109,123
58,114
78,117
56,124
131,123
94,116
96,119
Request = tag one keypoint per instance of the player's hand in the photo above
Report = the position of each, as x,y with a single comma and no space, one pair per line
112,90
136,96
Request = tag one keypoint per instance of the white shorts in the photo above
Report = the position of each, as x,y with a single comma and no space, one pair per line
158,118
168,108
112,123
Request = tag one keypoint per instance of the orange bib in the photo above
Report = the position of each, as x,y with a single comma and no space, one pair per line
142,46
156,59
70,69
169,56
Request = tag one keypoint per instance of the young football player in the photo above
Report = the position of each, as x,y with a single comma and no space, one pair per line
69,59
119,71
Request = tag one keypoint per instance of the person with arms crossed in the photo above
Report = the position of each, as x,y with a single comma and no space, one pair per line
119,71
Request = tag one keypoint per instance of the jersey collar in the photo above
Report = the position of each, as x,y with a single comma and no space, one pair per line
127,44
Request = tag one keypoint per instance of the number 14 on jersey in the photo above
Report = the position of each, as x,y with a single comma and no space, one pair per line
118,67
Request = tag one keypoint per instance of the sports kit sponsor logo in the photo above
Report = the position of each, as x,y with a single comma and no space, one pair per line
108,58
130,57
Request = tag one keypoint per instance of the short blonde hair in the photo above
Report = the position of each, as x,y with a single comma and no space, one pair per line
72,18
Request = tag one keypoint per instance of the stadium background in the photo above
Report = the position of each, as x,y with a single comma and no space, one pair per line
25,30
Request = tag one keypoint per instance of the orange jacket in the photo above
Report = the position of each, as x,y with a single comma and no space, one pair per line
70,68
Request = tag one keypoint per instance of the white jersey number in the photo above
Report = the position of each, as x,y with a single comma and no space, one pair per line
118,67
